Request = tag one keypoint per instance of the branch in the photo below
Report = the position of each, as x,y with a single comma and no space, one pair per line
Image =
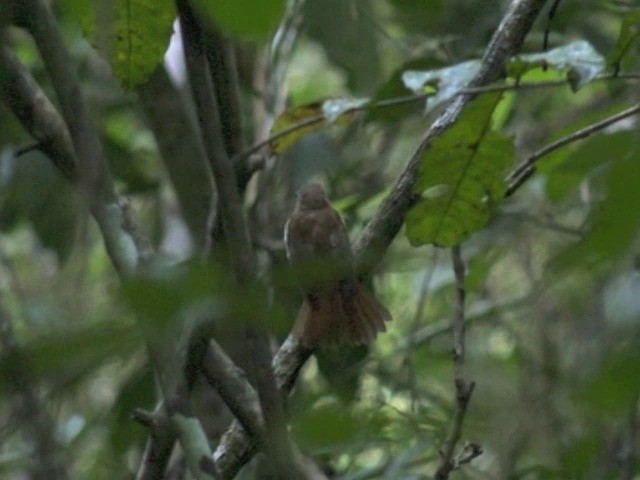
528,167
389,218
96,183
82,157
235,448
22,94
181,150
234,388
448,462
236,235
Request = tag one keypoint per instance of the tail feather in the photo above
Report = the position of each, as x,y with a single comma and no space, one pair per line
333,318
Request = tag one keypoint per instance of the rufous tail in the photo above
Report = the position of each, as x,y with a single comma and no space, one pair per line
333,318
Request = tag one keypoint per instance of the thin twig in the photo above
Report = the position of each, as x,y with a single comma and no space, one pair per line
27,147
528,167
409,99
547,28
448,460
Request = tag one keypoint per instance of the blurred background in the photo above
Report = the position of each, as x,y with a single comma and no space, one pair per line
553,284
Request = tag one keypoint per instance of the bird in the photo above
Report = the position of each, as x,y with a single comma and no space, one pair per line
337,308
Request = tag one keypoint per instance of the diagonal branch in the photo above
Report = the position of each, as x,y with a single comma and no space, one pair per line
235,448
389,218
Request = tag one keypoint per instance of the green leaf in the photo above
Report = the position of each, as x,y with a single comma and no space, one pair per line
349,40
66,354
581,62
447,82
314,116
579,456
158,296
580,163
248,19
36,192
461,178
614,223
132,35
136,392
393,88
612,389
325,425
629,32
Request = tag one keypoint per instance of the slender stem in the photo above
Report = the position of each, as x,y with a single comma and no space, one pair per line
528,167
448,461
409,99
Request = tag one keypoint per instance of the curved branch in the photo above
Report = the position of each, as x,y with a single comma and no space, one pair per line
389,218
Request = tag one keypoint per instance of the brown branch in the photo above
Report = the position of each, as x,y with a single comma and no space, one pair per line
236,236
231,383
81,158
235,448
528,167
22,94
96,183
181,150
389,218
448,461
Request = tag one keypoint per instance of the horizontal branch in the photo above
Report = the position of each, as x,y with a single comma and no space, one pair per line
410,99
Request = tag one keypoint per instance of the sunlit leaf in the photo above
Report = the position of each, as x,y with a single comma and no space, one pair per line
310,118
132,34
248,19
629,33
581,62
445,82
461,178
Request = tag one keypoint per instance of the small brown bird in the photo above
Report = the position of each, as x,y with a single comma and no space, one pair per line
336,308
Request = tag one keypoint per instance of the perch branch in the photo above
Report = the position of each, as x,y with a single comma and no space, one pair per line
389,218
235,448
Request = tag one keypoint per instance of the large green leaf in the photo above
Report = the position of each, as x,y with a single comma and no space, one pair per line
66,354
461,178
248,19
589,156
132,34
614,223
35,192
579,60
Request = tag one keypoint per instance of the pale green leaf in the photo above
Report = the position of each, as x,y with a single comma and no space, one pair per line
461,178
